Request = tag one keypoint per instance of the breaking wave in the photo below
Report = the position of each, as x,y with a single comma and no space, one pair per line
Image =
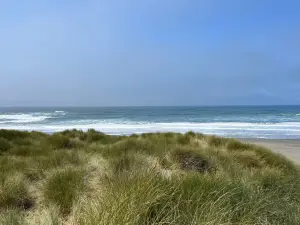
279,130
20,118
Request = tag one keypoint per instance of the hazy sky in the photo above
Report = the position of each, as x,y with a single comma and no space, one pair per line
149,52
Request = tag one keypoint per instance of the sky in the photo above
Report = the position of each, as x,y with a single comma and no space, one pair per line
149,52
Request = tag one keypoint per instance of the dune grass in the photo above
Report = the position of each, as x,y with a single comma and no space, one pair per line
14,193
63,188
89,178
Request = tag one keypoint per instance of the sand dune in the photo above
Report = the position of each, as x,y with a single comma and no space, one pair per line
289,148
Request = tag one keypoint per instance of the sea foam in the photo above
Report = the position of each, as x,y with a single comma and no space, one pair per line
279,130
242,122
29,117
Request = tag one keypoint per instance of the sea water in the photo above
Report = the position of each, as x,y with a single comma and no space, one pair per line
271,122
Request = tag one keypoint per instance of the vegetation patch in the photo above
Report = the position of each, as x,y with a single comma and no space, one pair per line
238,145
58,141
191,161
13,134
4,145
12,217
215,141
248,159
89,178
14,194
63,188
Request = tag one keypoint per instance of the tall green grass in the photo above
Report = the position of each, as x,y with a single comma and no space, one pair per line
14,193
4,145
89,178
63,188
12,217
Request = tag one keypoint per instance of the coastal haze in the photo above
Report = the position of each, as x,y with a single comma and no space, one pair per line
146,53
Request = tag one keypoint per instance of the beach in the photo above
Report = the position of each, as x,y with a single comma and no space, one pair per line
288,148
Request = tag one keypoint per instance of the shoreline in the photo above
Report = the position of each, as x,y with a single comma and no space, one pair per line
287,147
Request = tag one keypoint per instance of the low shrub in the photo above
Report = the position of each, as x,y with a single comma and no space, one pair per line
28,151
238,145
184,139
13,134
22,141
58,141
4,145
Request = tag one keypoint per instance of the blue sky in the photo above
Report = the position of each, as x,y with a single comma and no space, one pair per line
149,52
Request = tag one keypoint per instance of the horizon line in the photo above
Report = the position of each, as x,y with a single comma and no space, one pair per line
144,106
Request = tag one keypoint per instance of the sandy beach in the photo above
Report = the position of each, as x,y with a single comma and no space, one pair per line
289,148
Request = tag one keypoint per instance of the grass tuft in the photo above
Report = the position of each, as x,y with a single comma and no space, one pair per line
14,194
215,141
13,134
238,145
248,159
63,188
4,145
12,217
184,139
58,141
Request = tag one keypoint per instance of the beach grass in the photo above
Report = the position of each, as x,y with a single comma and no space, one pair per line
89,178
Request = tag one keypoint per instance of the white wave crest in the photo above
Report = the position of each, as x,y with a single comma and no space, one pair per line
21,118
279,130
29,117
60,112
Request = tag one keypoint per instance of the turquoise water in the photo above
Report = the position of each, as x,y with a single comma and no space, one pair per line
273,122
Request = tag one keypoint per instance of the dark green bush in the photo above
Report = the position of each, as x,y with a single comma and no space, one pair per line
94,136
4,145
22,141
184,139
238,145
191,134
21,151
12,134
58,141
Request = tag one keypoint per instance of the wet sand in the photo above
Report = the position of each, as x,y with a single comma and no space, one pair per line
289,148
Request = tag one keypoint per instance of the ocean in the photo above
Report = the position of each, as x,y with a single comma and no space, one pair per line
270,122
